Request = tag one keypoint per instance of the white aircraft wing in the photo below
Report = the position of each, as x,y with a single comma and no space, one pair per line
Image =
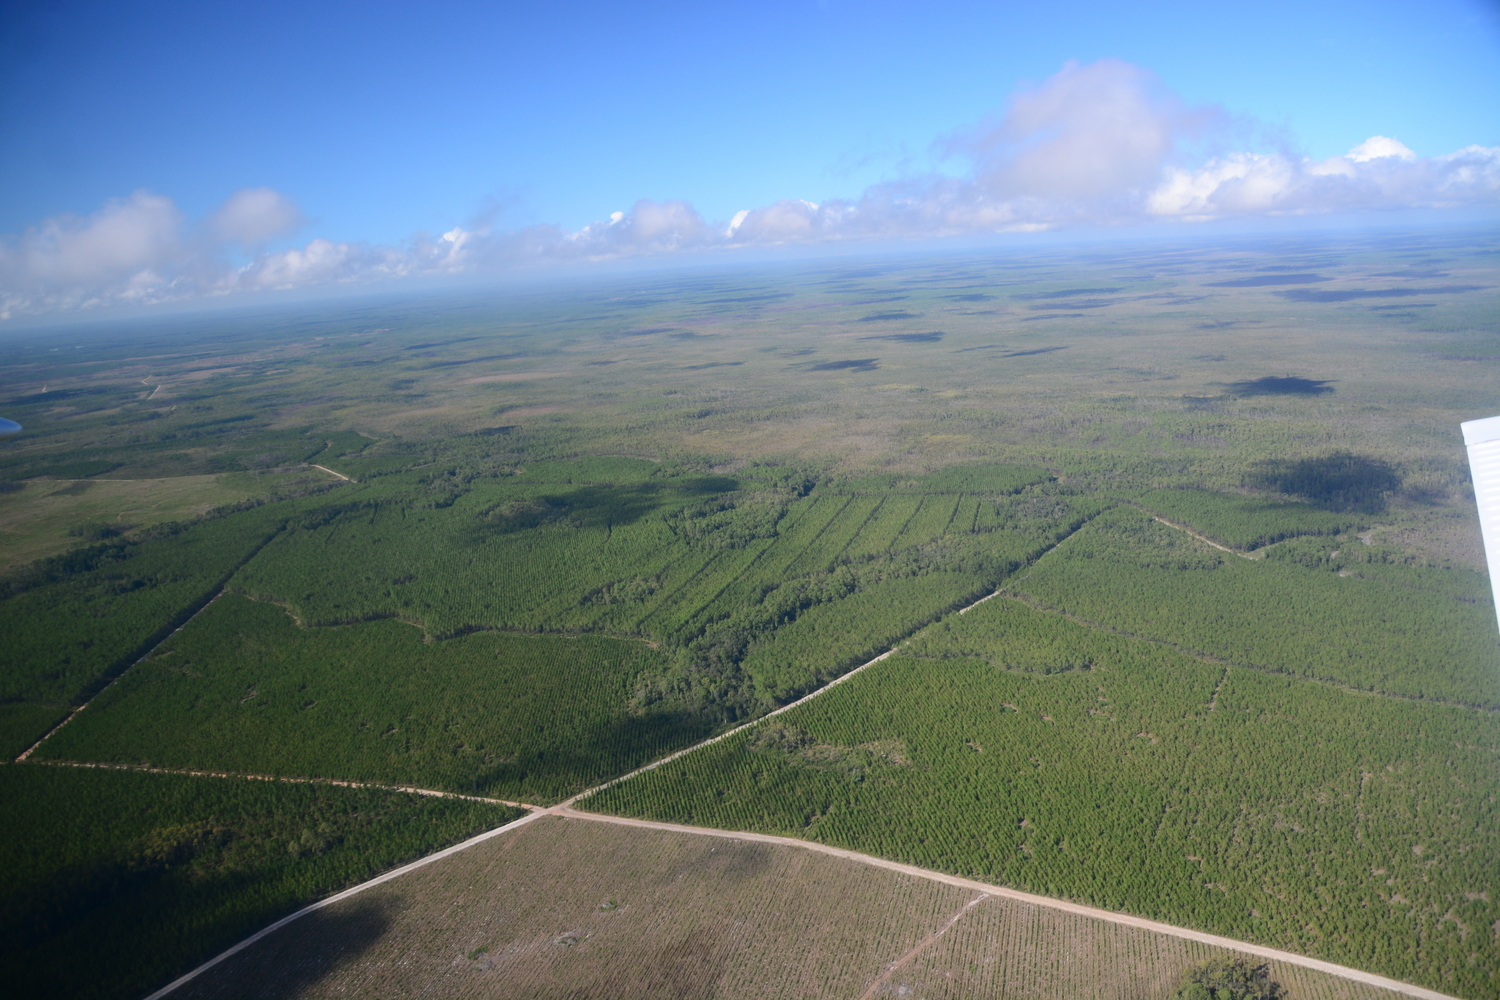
1482,437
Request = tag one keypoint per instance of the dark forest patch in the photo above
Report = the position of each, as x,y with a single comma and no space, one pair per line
1036,350
1080,304
465,361
853,364
1033,319
1340,481
1261,280
971,297
712,364
1282,385
438,343
1066,293
909,338
1304,295
885,316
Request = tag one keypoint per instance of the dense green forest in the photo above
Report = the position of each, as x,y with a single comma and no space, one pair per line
113,883
244,689
1014,746
1414,631
73,622
1246,522
520,544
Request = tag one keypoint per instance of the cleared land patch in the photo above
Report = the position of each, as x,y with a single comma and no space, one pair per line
591,910
43,517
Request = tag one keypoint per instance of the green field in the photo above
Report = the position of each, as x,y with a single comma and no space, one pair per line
568,529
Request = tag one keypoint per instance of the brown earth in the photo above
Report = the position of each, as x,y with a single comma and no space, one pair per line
590,910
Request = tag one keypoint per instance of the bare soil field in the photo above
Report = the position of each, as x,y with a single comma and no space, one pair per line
582,909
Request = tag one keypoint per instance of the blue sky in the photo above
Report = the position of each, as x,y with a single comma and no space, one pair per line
371,123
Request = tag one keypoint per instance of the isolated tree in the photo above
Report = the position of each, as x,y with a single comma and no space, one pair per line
1228,979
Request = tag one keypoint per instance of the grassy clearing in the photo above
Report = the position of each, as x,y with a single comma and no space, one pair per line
46,517
147,875
1017,747
588,910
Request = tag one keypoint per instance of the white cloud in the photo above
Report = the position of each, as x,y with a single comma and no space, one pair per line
253,216
1379,147
1104,144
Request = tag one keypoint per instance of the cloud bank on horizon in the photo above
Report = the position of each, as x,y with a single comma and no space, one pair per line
1098,145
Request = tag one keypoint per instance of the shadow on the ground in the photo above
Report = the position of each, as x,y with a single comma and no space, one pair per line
286,964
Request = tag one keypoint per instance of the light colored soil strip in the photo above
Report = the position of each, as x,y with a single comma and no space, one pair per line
1344,972
332,473
337,782
986,890
1207,541
921,946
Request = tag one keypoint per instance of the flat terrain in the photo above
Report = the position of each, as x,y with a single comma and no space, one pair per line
572,908
1239,675
1016,747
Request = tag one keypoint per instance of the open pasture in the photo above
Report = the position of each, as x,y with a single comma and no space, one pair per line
574,908
44,517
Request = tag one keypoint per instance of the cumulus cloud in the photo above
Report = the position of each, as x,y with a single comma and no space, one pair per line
252,217
1104,144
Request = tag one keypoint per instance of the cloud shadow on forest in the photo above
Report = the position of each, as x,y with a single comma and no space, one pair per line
1281,385
1340,481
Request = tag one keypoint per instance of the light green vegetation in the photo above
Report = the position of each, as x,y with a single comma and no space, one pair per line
113,883
728,487
1245,522
1014,746
44,517
1410,630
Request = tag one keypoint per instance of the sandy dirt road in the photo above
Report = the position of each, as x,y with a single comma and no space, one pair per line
1125,919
